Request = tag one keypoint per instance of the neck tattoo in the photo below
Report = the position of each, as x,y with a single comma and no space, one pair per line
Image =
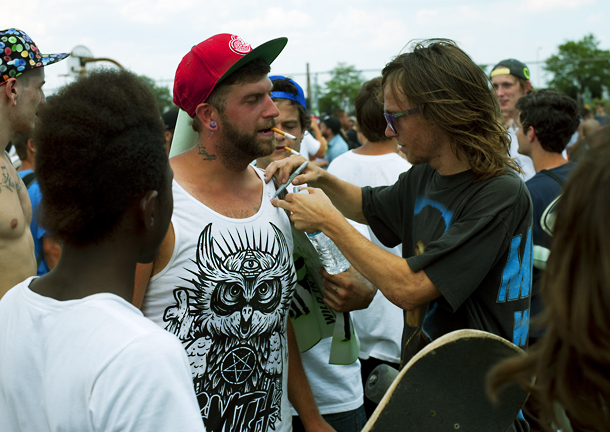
202,151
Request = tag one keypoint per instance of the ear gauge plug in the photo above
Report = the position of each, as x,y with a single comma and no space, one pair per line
213,124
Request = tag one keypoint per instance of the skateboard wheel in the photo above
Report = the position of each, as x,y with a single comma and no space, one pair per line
379,381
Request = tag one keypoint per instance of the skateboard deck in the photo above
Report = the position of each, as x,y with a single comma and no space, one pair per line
442,388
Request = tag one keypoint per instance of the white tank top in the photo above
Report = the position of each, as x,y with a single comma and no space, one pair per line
225,294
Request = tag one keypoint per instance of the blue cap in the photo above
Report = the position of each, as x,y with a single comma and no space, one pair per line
298,98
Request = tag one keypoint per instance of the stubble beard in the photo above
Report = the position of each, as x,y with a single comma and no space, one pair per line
427,147
238,149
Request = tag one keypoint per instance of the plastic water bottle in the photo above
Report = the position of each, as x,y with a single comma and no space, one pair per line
332,259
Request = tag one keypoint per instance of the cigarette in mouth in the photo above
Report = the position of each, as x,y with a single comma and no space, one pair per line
293,151
281,132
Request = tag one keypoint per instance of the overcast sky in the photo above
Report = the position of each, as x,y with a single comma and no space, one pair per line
149,37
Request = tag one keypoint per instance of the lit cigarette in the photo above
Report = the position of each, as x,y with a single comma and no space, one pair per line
293,151
281,132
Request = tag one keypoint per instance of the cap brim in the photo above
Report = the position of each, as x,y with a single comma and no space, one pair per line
267,51
53,58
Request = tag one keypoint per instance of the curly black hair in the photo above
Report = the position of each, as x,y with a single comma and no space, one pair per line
554,116
100,146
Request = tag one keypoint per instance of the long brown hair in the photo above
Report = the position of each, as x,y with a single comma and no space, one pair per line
455,95
572,361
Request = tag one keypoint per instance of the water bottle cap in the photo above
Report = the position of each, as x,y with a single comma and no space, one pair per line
314,233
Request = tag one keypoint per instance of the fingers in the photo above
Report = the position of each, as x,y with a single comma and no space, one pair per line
331,279
282,169
332,298
283,204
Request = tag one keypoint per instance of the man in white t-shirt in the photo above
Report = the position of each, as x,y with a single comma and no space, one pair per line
511,80
81,356
337,389
224,277
375,163
311,147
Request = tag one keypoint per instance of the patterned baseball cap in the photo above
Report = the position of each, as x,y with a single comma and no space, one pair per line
19,53
208,63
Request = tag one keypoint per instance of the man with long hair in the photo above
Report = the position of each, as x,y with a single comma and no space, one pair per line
461,212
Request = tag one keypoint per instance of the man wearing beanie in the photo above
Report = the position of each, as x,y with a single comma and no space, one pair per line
224,277
21,81
511,80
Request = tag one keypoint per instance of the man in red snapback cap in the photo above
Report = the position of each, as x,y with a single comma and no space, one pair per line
21,81
224,277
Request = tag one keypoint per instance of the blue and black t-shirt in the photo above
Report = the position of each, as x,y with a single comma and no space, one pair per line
472,239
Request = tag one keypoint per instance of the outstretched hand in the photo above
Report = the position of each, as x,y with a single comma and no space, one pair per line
283,168
347,291
311,212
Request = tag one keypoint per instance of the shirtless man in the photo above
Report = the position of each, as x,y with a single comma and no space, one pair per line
20,95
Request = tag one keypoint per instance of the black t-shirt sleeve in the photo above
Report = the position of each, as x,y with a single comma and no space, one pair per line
383,210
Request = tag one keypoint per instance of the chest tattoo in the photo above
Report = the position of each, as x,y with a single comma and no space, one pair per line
7,182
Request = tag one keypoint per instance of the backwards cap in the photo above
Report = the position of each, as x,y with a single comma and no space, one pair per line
511,67
207,64
19,54
298,98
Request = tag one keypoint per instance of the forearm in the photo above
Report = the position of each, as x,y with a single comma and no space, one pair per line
389,273
299,392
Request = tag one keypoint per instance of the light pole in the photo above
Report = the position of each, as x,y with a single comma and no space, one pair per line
538,64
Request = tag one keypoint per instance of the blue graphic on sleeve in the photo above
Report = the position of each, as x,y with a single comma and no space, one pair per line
517,276
522,326
423,202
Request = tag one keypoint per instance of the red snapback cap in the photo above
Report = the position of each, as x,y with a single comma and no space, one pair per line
211,61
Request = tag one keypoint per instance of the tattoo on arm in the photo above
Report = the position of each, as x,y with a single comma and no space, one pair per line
204,153
364,280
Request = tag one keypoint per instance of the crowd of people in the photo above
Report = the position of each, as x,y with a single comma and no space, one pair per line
441,194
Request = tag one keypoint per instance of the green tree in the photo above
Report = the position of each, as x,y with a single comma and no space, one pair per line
164,98
579,65
341,90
